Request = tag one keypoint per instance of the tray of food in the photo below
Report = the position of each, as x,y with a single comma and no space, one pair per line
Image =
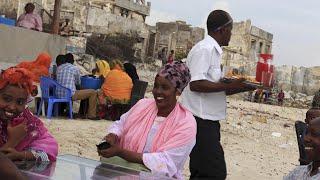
249,80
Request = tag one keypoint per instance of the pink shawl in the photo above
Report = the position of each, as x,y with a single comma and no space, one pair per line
177,130
38,137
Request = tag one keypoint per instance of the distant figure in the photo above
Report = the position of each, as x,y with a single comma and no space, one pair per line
69,58
102,69
163,56
66,28
29,19
258,95
117,85
60,59
267,94
280,98
68,75
131,70
171,57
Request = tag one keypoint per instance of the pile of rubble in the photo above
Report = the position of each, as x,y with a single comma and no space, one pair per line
298,100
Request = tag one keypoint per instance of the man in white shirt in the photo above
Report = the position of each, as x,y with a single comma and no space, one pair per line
205,97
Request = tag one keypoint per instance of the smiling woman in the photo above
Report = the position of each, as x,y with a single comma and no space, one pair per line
158,133
22,135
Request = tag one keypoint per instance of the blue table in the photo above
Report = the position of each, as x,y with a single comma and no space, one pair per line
7,21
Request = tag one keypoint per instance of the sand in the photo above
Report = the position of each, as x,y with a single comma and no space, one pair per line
251,151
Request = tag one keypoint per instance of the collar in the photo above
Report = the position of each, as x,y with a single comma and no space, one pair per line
212,41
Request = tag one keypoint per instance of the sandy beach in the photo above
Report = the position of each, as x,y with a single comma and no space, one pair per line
251,151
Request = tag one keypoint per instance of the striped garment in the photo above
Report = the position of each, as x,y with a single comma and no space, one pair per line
40,155
68,75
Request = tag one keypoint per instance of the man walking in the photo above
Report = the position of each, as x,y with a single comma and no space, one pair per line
205,97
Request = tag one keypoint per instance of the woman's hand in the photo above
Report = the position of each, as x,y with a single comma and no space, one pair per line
114,150
13,154
16,134
112,139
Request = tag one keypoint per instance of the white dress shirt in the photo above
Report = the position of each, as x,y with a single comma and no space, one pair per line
204,62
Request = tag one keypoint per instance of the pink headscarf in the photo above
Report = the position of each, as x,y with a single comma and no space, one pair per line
177,130
38,137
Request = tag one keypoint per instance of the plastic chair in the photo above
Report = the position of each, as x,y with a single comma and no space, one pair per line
138,90
48,92
301,129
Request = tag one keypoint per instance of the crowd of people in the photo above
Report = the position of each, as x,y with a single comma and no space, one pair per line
158,133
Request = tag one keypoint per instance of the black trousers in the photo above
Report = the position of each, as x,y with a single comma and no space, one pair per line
207,156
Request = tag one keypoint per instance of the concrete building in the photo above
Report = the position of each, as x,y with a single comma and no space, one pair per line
177,36
247,42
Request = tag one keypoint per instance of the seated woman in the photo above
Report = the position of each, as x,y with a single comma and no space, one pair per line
117,85
30,19
22,135
158,133
39,67
102,69
312,149
131,70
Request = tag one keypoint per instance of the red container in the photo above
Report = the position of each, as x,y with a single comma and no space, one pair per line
265,68
267,79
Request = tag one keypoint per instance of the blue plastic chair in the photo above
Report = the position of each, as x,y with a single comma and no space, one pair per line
48,90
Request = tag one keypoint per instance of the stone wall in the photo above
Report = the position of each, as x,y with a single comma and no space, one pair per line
19,44
99,21
298,79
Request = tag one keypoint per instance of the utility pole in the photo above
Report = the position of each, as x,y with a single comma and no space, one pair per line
56,17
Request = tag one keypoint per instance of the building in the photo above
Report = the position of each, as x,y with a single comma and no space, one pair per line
247,42
177,36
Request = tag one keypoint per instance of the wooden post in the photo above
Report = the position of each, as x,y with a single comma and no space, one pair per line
56,17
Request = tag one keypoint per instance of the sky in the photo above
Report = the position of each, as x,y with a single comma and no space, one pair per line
295,24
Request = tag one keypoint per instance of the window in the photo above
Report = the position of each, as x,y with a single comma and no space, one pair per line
253,44
260,47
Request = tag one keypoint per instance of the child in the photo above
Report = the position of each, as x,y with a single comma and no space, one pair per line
312,149
22,135
312,114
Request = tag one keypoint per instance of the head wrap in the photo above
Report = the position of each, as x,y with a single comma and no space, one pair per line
177,73
39,67
103,67
18,76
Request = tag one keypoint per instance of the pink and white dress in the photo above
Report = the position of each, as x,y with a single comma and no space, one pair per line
165,142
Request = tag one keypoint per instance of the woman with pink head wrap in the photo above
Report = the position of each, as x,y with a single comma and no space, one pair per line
158,133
